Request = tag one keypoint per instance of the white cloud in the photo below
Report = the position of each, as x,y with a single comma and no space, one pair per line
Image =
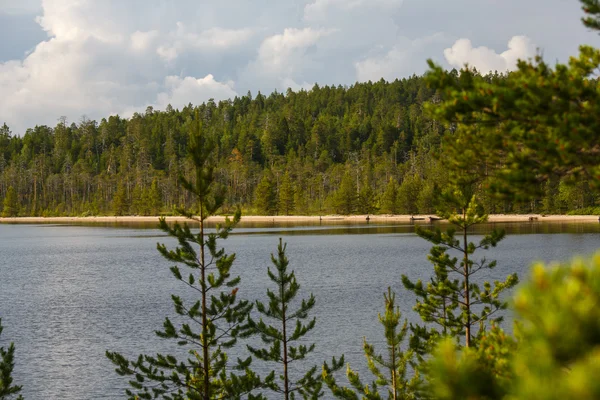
96,68
279,53
283,59
115,56
76,20
181,91
142,41
487,60
212,40
406,57
167,53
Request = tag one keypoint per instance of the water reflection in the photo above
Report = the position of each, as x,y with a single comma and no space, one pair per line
344,227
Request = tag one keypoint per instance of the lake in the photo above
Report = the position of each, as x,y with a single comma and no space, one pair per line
69,292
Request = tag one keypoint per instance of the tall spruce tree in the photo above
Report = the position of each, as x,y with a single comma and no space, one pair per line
452,299
389,199
216,319
287,328
120,205
10,205
7,364
345,198
286,195
390,371
266,195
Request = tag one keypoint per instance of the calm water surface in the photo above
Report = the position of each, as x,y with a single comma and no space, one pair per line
68,293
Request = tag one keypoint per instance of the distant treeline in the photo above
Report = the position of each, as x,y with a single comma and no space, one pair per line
367,148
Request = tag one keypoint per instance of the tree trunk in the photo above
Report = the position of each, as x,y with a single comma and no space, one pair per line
466,274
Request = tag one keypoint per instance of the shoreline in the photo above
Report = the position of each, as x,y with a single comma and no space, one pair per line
309,219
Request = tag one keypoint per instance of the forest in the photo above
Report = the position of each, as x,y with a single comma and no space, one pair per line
364,149
526,140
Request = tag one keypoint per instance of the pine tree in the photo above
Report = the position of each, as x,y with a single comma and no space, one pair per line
216,319
408,194
389,200
138,202
345,198
287,329
10,206
154,199
452,299
7,363
366,200
120,205
390,371
265,195
555,354
522,129
300,199
286,195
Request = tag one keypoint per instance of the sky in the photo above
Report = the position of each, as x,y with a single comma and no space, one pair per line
95,58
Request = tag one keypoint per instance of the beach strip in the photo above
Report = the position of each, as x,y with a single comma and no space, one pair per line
300,218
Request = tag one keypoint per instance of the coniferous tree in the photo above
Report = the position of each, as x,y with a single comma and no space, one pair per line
366,200
216,319
265,195
408,194
286,330
286,195
154,199
346,197
555,354
522,129
389,200
10,206
78,169
390,371
138,202
300,199
7,364
120,204
452,299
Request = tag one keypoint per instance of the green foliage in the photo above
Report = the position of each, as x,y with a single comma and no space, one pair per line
452,300
154,199
7,363
345,199
536,126
286,195
10,205
521,129
287,330
378,131
408,194
317,133
215,320
556,353
389,200
485,372
266,195
585,211
390,371
559,328
366,200
592,9
120,204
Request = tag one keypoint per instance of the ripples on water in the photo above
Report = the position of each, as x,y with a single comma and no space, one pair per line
68,293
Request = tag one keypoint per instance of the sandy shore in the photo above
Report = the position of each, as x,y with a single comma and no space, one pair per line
308,219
